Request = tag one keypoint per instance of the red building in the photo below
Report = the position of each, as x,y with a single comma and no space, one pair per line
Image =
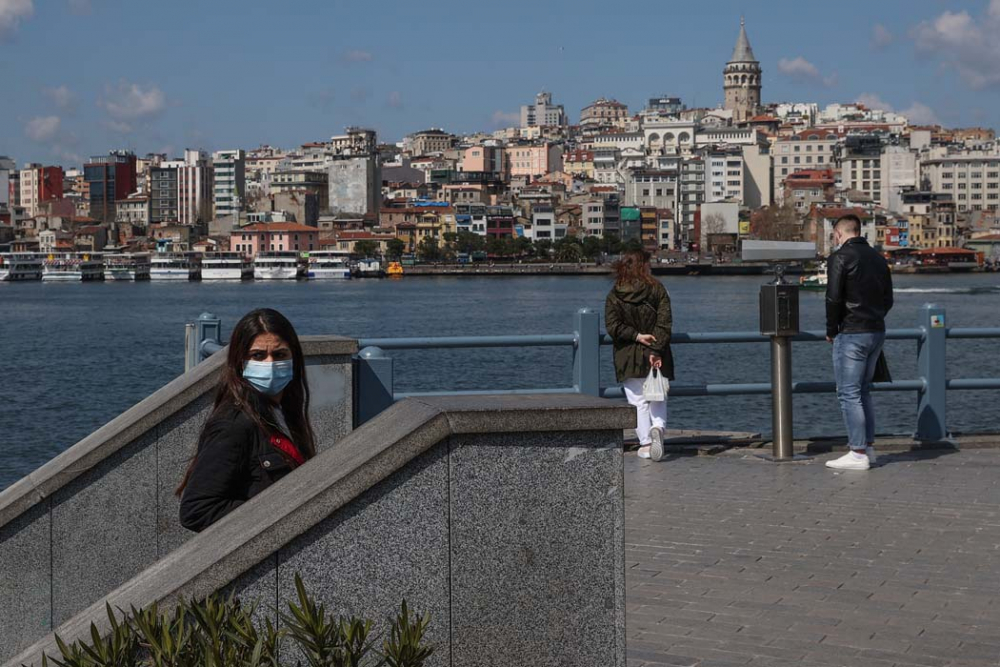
109,178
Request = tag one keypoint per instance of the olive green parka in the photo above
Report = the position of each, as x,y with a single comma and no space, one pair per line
639,309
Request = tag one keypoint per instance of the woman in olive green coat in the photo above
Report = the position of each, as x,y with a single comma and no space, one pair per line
637,317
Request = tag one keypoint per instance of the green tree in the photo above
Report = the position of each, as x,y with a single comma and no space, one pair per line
633,244
366,248
428,250
591,247
395,248
568,250
523,247
611,244
495,247
543,248
469,242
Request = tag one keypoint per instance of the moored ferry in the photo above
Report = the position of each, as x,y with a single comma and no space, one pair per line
20,266
815,282
175,266
127,266
278,266
226,266
368,268
326,264
72,267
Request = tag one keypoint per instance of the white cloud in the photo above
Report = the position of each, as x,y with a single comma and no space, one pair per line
920,114
358,56
129,103
42,128
801,70
62,97
881,37
965,44
917,113
506,118
873,101
12,12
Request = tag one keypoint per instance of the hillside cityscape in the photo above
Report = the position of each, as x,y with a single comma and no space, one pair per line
667,177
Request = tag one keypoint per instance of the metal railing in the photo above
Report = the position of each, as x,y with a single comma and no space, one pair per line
374,389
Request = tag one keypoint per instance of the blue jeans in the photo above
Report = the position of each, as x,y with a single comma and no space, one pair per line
854,359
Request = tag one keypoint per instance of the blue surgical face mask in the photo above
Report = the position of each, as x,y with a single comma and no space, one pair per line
269,377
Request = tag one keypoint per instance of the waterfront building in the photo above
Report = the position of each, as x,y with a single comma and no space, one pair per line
899,175
109,178
7,166
651,188
971,177
861,165
274,237
724,176
542,112
39,184
134,210
229,187
742,80
808,187
689,200
316,183
809,149
355,184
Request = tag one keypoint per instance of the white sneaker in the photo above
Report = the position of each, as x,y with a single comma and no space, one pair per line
643,454
850,461
870,453
656,447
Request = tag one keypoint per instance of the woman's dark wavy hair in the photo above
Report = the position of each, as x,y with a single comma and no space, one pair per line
236,393
632,268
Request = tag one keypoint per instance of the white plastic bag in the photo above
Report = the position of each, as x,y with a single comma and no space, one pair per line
656,387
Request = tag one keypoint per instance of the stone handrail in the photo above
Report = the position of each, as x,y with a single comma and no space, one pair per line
104,510
501,515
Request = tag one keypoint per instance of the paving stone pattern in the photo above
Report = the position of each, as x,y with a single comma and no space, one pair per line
731,560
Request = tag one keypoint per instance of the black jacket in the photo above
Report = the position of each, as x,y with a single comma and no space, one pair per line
235,462
858,289
636,309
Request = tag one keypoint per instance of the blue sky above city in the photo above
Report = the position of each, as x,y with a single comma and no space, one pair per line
81,77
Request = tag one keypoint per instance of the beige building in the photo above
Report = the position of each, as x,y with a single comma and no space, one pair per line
806,150
971,178
430,141
312,182
535,160
603,112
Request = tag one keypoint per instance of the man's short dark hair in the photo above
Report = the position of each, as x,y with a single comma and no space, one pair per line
849,224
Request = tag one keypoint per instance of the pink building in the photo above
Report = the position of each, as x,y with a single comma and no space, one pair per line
535,160
274,237
482,158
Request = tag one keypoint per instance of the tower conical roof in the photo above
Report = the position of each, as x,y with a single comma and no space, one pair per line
742,53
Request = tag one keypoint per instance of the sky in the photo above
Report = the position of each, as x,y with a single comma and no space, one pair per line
81,77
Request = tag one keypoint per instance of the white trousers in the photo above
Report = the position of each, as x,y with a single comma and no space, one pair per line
649,415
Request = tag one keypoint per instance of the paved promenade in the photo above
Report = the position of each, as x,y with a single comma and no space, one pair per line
735,561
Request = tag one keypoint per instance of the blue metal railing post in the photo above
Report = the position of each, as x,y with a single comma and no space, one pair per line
208,334
587,352
373,384
931,364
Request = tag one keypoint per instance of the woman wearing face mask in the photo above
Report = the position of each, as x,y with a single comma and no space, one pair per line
259,427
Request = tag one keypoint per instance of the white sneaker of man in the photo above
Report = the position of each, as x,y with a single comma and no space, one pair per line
850,461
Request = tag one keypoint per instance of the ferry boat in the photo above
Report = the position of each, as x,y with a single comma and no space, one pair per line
327,264
226,266
368,268
278,266
72,267
175,266
127,266
20,266
815,282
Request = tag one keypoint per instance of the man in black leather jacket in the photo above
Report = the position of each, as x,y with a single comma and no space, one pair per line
858,297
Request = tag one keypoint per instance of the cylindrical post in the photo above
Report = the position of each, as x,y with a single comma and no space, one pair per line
587,352
190,347
781,397
373,384
931,364
209,328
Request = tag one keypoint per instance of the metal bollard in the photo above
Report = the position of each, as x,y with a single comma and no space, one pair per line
781,398
932,366
587,352
373,384
209,335
190,347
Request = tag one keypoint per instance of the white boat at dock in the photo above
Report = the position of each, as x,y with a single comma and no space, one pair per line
20,266
72,267
327,264
226,266
175,266
127,266
278,266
